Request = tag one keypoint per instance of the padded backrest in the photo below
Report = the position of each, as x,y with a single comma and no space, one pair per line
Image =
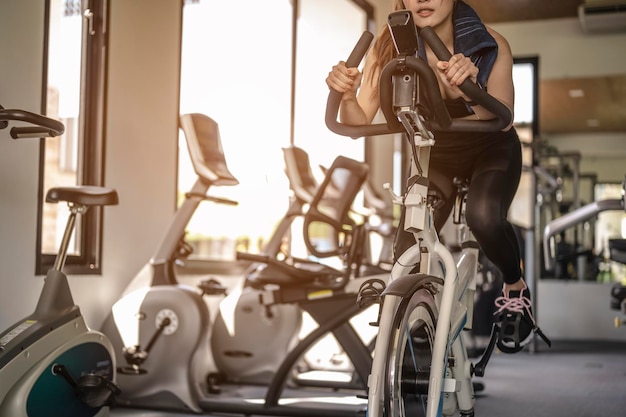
205,149
328,228
298,170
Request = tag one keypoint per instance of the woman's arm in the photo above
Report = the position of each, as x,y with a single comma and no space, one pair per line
459,68
359,100
500,82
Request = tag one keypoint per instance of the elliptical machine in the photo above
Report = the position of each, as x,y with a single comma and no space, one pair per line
51,363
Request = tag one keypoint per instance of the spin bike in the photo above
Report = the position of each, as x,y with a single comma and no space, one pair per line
420,364
245,355
51,363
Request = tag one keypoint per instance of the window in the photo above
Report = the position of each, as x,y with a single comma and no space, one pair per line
238,67
525,81
337,25
75,59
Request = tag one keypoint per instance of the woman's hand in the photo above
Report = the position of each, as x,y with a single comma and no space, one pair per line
344,80
453,72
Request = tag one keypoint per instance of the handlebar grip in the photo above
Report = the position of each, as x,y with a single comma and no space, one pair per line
439,49
334,97
359,50
32,132
472,90
43,126
442,121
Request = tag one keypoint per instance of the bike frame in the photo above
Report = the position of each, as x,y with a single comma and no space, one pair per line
454,299
450,283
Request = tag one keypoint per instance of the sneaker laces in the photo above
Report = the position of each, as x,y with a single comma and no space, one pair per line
519,305
514,305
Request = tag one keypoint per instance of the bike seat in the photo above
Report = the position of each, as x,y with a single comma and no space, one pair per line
86,195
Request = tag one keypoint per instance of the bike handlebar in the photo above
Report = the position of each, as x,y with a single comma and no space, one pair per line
441,120
43,126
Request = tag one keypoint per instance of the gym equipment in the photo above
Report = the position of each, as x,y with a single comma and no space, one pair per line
420,364
51,363
377,211
380,225
617,253
184,349
38,126
581,215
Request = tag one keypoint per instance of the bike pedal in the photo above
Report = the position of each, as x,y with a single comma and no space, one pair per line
478,386
539,333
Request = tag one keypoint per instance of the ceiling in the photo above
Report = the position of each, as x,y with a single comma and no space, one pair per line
496,11
562,109
574,105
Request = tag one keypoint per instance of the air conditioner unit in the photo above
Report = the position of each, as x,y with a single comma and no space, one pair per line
603,16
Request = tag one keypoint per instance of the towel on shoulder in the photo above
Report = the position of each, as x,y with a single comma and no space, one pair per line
472,39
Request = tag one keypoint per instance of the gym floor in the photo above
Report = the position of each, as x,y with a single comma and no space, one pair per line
572,379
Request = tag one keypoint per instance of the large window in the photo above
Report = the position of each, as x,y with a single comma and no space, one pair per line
327,31
263,84
75,57
525,75
241,66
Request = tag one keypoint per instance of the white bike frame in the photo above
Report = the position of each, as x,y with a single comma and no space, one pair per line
449,383
454,301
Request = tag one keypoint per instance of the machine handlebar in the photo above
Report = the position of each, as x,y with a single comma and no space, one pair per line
575,217
441,119
42,126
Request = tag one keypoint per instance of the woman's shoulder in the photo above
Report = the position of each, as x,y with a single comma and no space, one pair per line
500,40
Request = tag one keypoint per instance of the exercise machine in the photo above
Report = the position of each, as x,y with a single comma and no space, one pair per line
203,349
420,364
617,249
51,363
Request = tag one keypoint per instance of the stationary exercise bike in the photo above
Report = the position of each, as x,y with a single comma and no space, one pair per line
420,364
244,355
51,363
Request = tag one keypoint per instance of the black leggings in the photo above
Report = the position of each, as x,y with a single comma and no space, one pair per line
493,164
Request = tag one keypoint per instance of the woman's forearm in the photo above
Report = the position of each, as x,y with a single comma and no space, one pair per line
351,113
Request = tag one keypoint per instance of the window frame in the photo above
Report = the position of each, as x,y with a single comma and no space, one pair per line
90,159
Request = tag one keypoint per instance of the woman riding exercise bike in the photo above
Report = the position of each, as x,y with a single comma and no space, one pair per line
419,359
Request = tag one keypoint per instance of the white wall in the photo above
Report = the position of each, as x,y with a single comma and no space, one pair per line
141,142
21,52
565,51
141,148
577,311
